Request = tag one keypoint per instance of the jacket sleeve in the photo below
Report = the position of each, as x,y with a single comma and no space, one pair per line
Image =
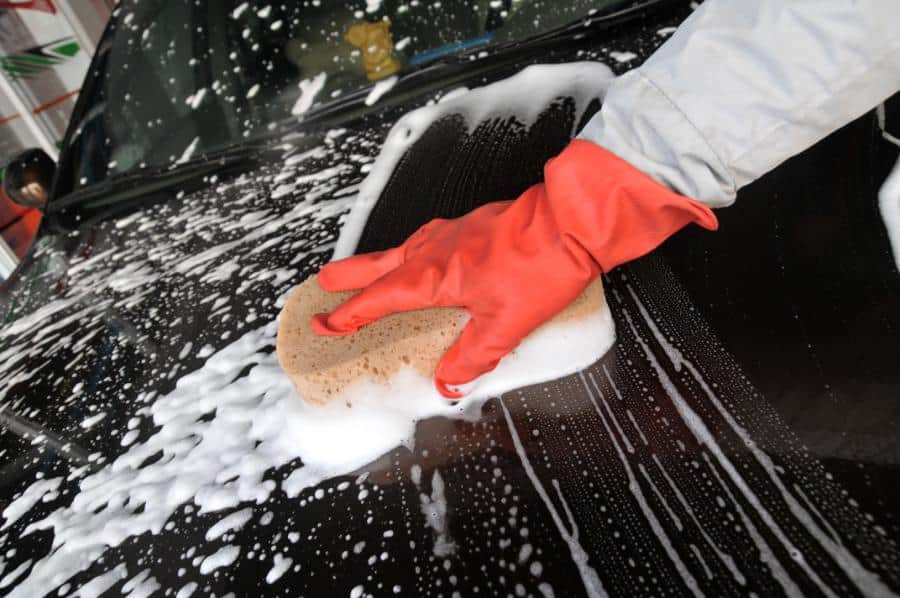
743,85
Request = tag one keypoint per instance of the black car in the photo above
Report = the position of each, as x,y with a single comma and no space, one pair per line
742,436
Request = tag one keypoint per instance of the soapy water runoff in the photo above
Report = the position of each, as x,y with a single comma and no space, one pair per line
675,477
261,424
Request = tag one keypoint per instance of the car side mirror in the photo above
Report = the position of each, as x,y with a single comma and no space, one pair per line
27,178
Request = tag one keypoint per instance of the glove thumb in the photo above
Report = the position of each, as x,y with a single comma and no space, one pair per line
477,351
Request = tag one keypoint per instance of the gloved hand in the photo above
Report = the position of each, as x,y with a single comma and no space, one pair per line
513,265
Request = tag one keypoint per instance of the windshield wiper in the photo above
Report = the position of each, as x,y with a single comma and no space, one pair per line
128,185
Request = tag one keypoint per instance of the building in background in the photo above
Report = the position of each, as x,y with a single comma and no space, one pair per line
45,50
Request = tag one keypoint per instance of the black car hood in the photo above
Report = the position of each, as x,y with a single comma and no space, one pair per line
741,437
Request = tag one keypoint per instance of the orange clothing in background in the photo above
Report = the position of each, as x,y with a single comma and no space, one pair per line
18,225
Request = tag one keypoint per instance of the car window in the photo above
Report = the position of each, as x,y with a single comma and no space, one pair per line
175,79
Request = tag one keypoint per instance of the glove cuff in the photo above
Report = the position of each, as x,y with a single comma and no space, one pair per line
615,211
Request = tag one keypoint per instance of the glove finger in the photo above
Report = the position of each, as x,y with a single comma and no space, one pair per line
359,271
427,231
477,351
421,236
397,291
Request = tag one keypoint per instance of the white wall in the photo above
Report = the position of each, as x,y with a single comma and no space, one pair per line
35,105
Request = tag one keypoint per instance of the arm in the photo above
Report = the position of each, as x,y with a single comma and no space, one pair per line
743,85
740,87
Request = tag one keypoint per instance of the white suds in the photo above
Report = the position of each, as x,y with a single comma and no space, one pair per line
221,558
15,574
889,204
525,95
129,437
881,119
380,88
309,88
280,565
434,509
868,582
141,585
237,12
454,93
643,503
261,424
210,458
98,586
90,422
189,151
219,463
235,521
187,590
32,495
622,56
196,99
592,584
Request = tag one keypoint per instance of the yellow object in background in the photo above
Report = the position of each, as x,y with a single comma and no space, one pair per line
376,44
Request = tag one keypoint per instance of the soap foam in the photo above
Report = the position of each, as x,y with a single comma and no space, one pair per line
259,423
889,205
524,95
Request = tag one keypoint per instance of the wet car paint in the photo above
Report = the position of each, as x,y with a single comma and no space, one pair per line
684,462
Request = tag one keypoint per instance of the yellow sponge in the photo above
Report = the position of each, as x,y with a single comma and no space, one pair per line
323,367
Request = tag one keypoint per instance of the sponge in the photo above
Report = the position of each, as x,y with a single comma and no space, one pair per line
328,368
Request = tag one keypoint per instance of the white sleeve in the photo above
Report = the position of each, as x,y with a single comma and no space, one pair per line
743,85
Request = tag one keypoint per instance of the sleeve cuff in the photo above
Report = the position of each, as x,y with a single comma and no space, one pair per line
641,125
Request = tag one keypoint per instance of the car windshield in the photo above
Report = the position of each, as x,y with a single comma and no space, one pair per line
175,79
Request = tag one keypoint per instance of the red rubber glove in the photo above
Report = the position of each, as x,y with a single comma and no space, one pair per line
513,265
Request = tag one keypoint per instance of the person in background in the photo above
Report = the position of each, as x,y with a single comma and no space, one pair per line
741,86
